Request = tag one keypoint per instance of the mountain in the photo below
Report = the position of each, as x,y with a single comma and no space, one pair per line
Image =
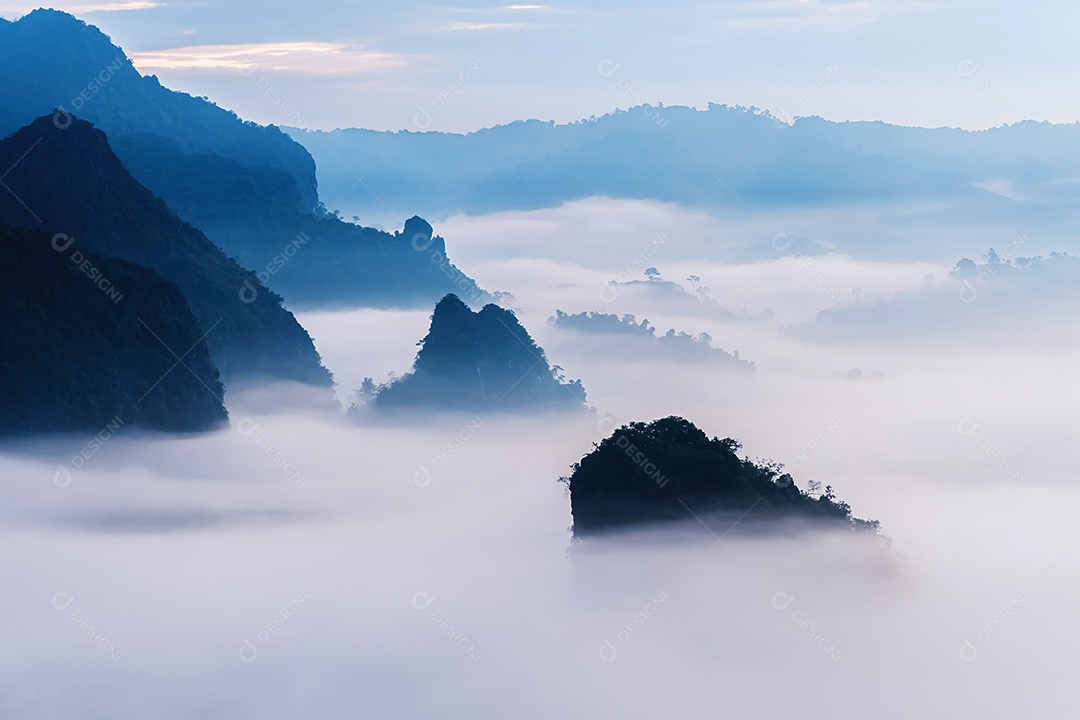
478,360
250,188
719,157
682,158
64,178
88,344
53,60
670,471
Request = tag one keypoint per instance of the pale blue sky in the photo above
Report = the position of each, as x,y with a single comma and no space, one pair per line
335,63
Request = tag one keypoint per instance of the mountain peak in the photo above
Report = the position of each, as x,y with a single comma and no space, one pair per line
48,20
418,230
53,59
64,178
485,359
92,176
451,305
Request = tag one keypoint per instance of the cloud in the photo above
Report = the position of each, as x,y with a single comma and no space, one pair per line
485,26
323,58
77,8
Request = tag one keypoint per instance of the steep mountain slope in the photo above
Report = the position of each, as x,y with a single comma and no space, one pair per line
64,178
88,343
670,471
52,60
475,360
250,188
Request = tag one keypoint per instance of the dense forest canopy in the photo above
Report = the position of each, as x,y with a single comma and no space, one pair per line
91,341
669,470
483,359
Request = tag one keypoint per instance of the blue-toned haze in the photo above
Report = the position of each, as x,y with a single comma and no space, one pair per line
963,63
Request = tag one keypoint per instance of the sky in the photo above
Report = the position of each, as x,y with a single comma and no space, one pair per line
458,67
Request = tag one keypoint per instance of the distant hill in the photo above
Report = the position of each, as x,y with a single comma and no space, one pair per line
88,343
250,188
997,300
670,471
66,179
639,340
532,164
476,360
718,157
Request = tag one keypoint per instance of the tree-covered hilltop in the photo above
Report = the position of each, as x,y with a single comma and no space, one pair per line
644,342
90,341
476,360
64,178
322,261
669,470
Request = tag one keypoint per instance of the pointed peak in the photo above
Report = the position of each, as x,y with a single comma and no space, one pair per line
451,303
53,19
61,127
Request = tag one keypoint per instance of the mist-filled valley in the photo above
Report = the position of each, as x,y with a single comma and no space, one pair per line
671,411
300,560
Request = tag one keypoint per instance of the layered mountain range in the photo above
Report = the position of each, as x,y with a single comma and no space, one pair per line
64,179
716,158
250,188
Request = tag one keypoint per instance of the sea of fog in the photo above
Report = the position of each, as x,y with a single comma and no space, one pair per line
303,564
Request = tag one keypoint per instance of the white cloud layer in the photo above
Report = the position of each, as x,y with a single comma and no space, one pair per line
320,58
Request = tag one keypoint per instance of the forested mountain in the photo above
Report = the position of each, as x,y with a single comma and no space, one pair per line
64,178
671,471
89,342
639,339
713,158
53,60
475,360
250,188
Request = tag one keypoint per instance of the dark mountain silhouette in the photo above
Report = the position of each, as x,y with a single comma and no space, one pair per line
475,360
250,188
670,471
88,344
53,60
66,179
643,342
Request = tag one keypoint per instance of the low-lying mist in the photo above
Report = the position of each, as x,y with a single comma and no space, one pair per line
300,562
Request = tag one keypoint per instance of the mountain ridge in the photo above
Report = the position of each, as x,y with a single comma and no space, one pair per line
65,179
250,188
